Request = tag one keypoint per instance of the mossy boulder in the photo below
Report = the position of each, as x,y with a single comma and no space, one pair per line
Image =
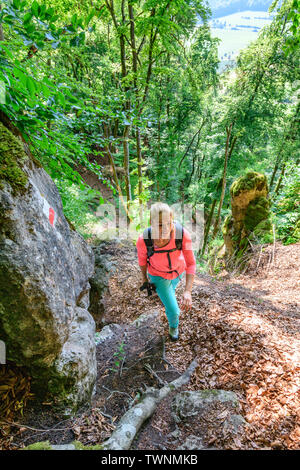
250,217
44,281
249,183
257,211
192,410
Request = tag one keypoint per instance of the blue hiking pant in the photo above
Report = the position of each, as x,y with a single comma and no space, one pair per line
165,289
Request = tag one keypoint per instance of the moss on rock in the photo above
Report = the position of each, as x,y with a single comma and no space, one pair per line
250,217
43,445
252,180
12,156
227,224
257,211
79,446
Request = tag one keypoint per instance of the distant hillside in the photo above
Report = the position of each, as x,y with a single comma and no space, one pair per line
227,7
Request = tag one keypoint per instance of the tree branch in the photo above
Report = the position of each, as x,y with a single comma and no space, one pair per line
131,422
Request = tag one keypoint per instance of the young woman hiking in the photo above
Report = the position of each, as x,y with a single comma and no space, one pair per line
165,251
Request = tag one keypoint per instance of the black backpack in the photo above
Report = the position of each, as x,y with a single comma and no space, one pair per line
150,248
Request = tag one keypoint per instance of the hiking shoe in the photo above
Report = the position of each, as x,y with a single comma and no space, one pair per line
173,332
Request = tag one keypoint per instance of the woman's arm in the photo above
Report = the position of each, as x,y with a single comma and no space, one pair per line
142,257
144,272
189,279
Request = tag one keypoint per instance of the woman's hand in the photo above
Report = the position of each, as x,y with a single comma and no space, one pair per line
186,301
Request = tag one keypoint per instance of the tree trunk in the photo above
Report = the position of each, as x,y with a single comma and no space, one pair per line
138,134
280,178
140,172
126,164
115,175
227,155
208,225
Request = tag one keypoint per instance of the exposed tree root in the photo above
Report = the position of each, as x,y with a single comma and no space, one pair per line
131,422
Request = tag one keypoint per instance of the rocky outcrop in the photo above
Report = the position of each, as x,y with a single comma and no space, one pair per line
250,217
45,268
105,266
111,256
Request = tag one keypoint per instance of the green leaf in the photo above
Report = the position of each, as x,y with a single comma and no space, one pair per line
74,20
46,80
61,99
21,75
27,17
45,90
29,28
6,49
43,11
30,84
90,16
49,13
35,8
16,4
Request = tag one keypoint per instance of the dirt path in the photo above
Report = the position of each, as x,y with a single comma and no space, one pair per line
244,332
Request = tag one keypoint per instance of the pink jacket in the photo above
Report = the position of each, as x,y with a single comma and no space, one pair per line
183,260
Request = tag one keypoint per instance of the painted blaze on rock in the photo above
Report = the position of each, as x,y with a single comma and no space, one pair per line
250,215
45,268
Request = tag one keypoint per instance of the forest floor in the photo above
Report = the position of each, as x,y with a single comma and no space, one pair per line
244,332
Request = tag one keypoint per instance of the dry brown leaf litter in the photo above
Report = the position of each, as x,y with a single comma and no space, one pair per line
245,334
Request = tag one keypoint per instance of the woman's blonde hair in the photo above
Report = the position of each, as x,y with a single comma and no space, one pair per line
161,209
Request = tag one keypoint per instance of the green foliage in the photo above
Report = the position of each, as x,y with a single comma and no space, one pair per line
38,98
263,232
73,88
119,356
290,9
42,445
79,203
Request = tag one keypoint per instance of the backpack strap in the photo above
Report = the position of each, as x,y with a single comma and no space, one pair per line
148,241
178,235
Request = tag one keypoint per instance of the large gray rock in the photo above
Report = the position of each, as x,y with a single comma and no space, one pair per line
45,267
208,415
188,404
105,266
192,443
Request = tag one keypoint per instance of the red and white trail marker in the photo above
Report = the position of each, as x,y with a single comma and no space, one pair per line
51,215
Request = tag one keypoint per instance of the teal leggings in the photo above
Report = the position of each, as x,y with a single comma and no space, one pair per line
165,289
